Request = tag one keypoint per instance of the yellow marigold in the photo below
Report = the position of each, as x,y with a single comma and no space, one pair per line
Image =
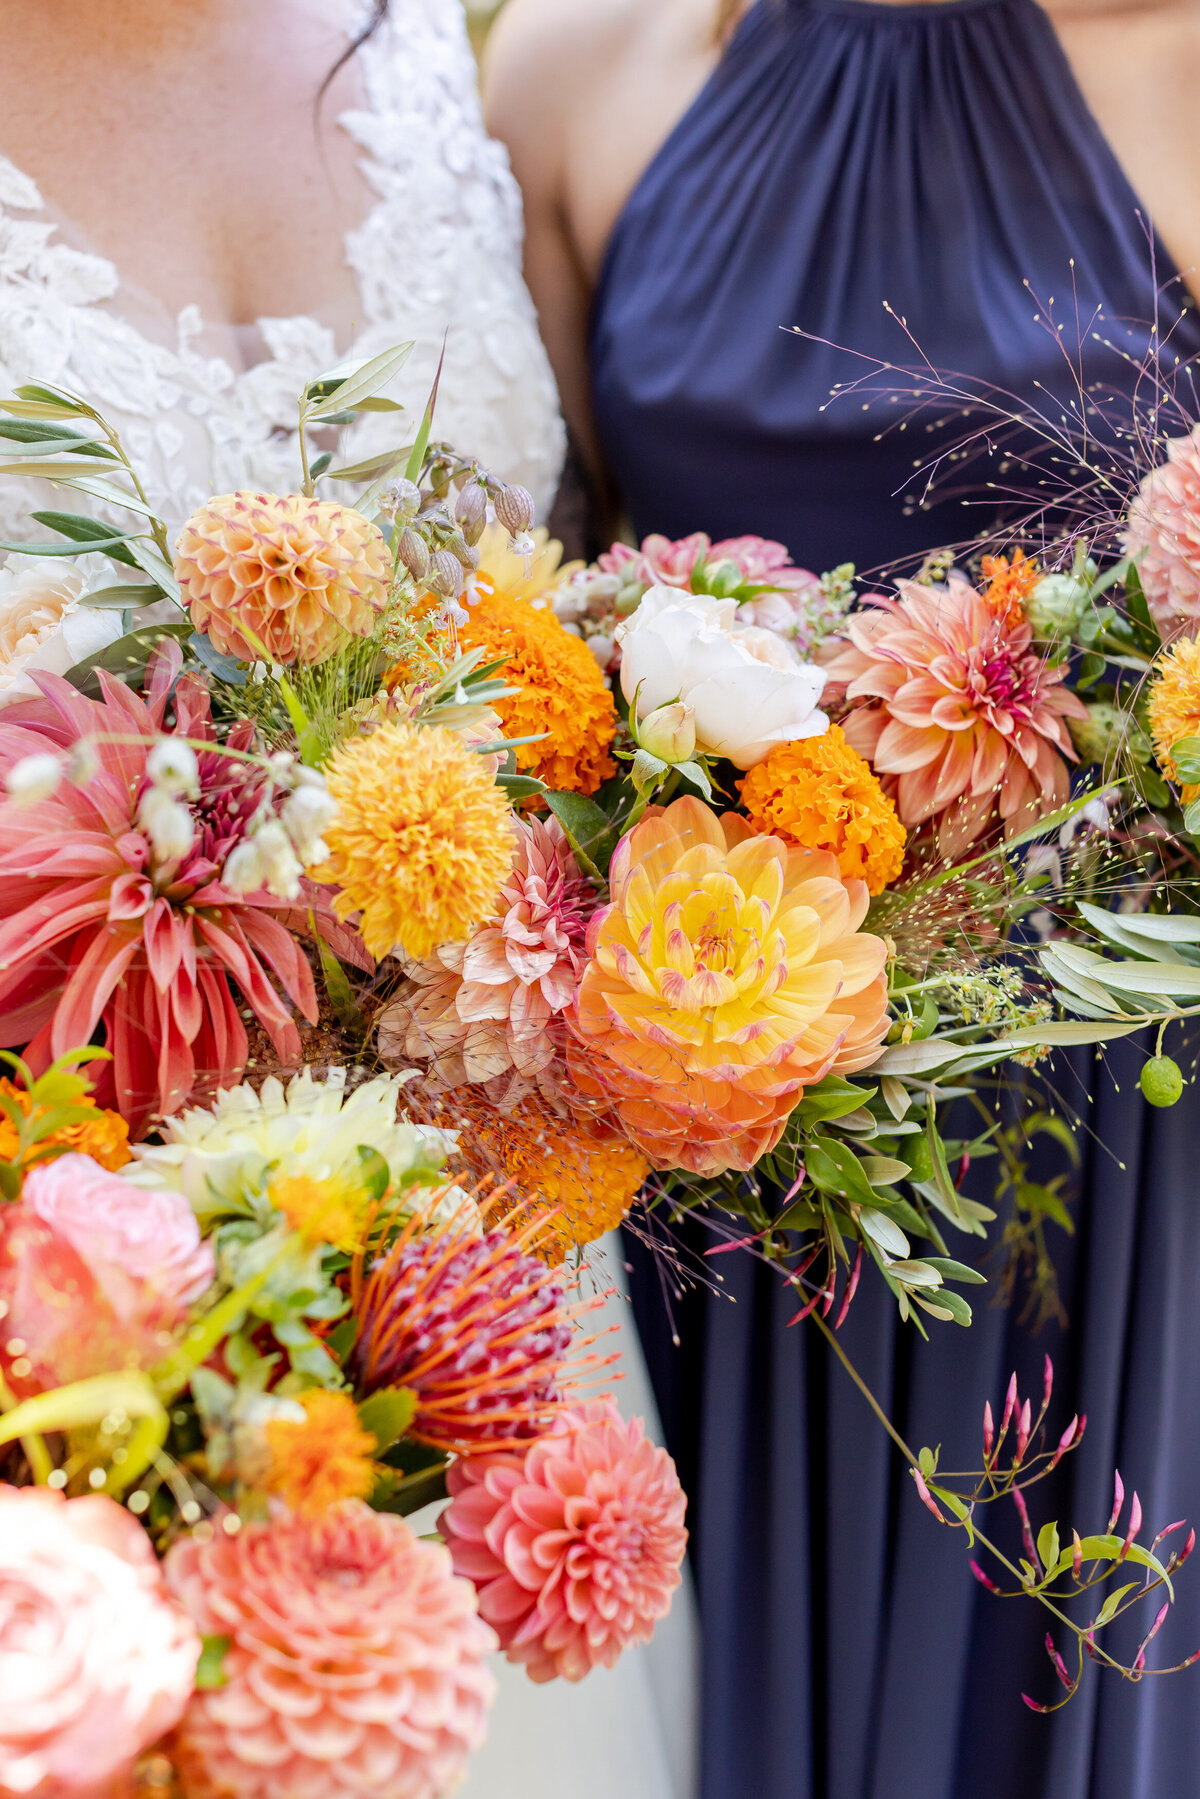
822,794
422,840
1009,584
102,1135
569,1174
1174,706
561,691
506,572
323,1460
333,1210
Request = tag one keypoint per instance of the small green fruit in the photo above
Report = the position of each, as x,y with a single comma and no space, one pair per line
1161,1081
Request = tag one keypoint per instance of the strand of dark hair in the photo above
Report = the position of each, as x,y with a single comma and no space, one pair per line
354,46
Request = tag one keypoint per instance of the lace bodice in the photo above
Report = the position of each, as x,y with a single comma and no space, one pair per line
437,255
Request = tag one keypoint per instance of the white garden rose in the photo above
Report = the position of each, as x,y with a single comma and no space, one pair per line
43,626
745,687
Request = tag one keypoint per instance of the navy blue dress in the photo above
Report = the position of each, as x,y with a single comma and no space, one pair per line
939,158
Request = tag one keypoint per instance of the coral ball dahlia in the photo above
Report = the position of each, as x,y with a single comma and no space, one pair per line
727,974
953,707
282,575
356,1666
1163,532
100,931
574,1547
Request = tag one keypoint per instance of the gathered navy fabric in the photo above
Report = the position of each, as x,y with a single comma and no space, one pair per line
936,158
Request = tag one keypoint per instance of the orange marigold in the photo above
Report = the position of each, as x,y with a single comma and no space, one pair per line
1009,584
325,1459
822,794
561,691
102,1135
572,1177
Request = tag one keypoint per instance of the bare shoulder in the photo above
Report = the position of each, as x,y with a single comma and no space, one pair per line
560,42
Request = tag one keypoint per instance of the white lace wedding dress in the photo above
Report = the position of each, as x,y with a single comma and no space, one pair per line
203,407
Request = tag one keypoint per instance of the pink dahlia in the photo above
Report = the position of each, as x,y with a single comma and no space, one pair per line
96,1662
955,711
574,1547
95,1274
491,1009
356,1666
477,1329
99,932
1163,531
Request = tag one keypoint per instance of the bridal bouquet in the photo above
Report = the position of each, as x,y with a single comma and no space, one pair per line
385,907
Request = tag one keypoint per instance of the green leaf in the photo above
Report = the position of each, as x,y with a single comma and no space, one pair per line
927,1462
834,1168
210,1670
123,596
955,1304
156,566
1186,756
1047,1545
520,787
57,397
884,1231
319,464
373,1171
224,667
387,1414
341,994
126,658
829,1099
342,1338
411,1493
1112,1604
353,381
951,1270
589,831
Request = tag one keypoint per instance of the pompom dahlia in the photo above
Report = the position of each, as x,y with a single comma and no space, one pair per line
1174,705
574,1547
102,1135
477,1329
1163,532
561,697
357,1661
422,840
96,1662
728,973
491,1009
953,707
320,1459
98,932
282,575
821,794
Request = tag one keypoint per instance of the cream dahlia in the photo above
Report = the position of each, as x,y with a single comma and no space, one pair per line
574,1547
356,1666
727,974
1163,532
282,575
491,1009
96,1662
955,711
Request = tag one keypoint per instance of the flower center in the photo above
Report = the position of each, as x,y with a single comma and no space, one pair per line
716,944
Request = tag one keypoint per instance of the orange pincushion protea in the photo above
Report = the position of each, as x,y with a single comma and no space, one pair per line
561,697
282,575
727,975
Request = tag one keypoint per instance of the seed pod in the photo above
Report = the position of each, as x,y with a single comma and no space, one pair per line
445,575
471,511
514,509
414,553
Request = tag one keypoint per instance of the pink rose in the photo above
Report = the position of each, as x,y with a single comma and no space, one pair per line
94,1274
763,562
660,562
96,1661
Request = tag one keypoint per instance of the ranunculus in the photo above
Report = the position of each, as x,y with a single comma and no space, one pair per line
96,1661
93,1272
43,625
746,687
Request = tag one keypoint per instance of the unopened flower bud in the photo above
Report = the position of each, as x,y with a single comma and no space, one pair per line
1107,734
445,575
281,868
413,552
669,732
1055,607
169,826
305,816
243,871
514,509
172,767
602,647
400,501
471,511
33,778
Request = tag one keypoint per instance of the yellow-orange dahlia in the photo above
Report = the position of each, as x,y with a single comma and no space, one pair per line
821,794
320,1460
506,573
1174,704
102,1135
282,575
727,975
561,691
422,840
569,1175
